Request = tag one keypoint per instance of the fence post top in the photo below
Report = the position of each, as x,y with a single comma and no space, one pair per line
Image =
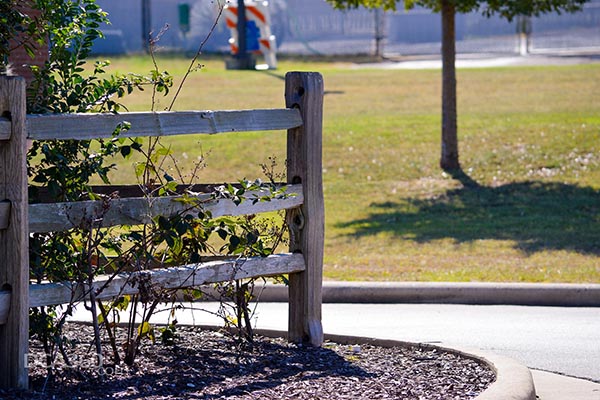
311,74
12,78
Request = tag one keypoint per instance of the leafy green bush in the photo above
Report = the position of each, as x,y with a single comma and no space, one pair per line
65,170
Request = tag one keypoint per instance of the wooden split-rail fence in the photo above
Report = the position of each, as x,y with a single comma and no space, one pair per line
301,117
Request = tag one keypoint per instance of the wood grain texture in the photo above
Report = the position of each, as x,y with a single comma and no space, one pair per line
14,256
4,214
41,194
48,217
5,127
304,91
167,278
4,306
95,126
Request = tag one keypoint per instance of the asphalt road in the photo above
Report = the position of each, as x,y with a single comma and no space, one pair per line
554,339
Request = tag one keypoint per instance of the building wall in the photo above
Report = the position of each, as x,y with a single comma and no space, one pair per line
18,58
313,26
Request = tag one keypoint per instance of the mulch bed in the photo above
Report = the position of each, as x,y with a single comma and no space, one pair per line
204,364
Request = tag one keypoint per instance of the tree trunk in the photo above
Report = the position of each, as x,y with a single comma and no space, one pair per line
449,159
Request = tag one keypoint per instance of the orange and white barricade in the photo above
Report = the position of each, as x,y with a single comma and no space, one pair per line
259,39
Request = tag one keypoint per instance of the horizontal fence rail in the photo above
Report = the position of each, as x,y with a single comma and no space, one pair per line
180,277
48,217
101,126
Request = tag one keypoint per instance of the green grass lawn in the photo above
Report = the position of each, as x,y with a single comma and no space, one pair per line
529,137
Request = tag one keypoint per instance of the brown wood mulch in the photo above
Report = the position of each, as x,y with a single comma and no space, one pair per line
203,364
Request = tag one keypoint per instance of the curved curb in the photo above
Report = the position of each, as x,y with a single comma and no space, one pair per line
513,380
483,293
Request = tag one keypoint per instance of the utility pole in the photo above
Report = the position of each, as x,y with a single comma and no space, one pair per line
146,25
241,28
379,32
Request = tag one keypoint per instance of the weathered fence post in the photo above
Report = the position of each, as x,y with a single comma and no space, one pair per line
304,90
14,259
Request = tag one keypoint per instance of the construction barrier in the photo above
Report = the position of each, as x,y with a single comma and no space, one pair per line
259,39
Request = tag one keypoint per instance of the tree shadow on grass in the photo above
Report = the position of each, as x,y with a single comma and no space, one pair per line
536,215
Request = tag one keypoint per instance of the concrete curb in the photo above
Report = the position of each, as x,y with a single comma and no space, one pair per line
513,380
484,293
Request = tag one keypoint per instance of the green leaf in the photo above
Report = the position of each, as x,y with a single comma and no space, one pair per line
181,227
140,169
126,151
122,303
251,238
168,177
145,329
171,241
164,223
163,151
234,242
171,186
136,145
135,236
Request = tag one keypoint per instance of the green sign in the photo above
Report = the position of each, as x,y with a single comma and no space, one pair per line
184,17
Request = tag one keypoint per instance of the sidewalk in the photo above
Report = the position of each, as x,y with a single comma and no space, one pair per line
550,386
493,60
